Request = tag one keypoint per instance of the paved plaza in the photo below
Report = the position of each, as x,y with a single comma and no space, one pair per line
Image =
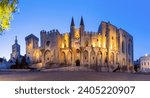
72,76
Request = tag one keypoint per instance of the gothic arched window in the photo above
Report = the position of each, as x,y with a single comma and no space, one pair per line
86,43
48,43
123,47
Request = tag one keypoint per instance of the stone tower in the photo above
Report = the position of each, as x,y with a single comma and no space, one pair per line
15,50
82,31
43,38
31,46
81,26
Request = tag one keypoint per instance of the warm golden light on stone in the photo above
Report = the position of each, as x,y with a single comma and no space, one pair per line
77,34
104,45
37,54
99,44
62,45
82,48
66,40
111,46
29,46
94,45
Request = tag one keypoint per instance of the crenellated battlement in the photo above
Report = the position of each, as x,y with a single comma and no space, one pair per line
109,42
50,33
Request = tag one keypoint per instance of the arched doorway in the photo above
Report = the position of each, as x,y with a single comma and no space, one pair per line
123,62
112,58
77,57
93,58
63,58
77,54
69,58
123,47
117,58
47,57
99,58
78,62
85,57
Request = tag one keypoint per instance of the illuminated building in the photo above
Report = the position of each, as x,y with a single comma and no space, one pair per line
145,63
32,49
15,55
107,49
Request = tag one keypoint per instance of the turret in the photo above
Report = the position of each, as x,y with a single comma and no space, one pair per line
81,22
72,27
16,41
43,37
82,26
72,22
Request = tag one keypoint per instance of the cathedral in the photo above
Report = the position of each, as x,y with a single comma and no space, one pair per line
15,52
106,50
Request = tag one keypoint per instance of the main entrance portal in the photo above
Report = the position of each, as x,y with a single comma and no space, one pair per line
78,62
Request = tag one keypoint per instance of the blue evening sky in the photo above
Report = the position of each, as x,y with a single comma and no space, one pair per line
36,15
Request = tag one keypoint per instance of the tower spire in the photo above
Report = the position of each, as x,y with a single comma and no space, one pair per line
72,22
16,39
81,22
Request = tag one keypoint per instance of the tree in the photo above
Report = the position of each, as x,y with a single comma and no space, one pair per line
7,8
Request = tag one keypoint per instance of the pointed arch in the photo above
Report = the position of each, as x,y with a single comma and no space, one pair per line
123,61
112,58
63,58
117,58
99,58
85,57
69,58
47,56
93,57
77,54
123,46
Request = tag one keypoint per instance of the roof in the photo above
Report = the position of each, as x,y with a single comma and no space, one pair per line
72,22
32,36
82,22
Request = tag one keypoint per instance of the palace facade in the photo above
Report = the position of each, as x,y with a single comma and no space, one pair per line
107,49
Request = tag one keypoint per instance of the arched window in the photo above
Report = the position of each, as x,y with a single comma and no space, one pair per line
99,57
65,44
117,58
123,62
63,58
69,58
112,58
86,43
48,43
47,55
93,57
85,56
129,48
123,47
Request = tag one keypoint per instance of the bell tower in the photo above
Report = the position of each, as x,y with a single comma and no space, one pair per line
15,50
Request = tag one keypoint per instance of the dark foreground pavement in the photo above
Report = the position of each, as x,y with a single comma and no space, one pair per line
72,76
